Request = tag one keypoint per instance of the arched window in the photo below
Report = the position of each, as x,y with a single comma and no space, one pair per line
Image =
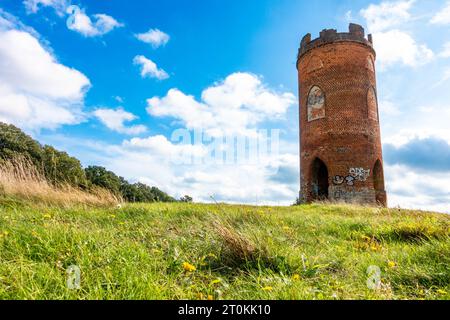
378,181
319,181
370,64
316,104
372,105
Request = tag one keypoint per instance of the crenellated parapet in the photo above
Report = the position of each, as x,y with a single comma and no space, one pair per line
356,34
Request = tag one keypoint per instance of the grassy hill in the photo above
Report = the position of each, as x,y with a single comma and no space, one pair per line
194,251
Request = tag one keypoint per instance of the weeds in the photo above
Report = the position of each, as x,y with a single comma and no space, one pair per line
19,178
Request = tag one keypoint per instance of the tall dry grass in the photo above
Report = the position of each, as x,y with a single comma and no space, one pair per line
20,178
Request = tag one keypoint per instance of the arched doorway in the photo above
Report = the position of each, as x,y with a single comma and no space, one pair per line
319,180
378,182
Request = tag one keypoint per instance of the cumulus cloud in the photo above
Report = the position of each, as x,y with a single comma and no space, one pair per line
33,6
443,16
412,189
427,154
231,106
80,22
149,68
151,160
394,45
386,15
115,120
155,37
36,91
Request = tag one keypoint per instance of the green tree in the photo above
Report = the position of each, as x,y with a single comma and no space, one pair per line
140,192
15,143
99,176
59,167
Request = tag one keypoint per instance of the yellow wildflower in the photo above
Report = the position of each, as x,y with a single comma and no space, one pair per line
267,289
47,216
296,277
286,228
392,264
189,267
210,297
442,292
216,281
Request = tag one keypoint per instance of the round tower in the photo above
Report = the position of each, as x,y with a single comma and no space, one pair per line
340,143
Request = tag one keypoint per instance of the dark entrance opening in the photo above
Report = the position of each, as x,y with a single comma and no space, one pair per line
378,182
319,180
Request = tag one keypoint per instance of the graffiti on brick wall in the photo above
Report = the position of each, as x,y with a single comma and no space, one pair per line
316,104
350,180
359,173
355,174
338,180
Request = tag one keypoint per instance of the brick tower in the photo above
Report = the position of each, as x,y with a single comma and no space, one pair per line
340,144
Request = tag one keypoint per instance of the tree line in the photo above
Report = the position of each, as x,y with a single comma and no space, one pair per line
58,167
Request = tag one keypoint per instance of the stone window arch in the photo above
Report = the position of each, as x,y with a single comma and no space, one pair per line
370,65
372,104
316,104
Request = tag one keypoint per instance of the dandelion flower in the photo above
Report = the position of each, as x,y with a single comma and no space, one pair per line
392,264
296,277
210,297
189,267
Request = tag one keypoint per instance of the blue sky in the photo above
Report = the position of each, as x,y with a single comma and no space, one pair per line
110,81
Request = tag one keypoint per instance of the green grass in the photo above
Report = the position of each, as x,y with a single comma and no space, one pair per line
240,252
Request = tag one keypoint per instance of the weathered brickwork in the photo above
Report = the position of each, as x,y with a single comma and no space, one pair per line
340,144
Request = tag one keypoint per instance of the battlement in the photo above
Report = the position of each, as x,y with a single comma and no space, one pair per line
356,34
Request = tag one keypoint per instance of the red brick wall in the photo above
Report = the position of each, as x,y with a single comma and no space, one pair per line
348,137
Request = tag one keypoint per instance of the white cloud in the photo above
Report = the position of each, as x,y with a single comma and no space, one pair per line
115,119
389,108
119,99
36,91
414,190
446,51
150,160
155,37
443,16
231,106
149,68
32,6
395,46
80,22
386,15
